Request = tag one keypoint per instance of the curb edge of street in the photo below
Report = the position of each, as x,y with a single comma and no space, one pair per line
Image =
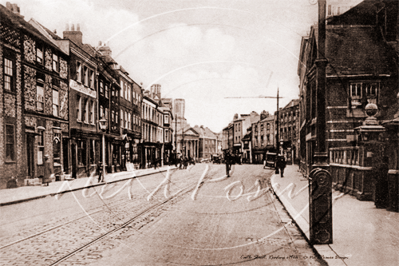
320,250
72,190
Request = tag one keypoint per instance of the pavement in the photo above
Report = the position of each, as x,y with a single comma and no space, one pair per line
362,234
26,193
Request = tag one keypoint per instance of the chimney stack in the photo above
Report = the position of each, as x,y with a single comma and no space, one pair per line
105,49
75,36
13,8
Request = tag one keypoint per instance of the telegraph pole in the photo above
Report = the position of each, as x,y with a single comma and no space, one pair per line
277,129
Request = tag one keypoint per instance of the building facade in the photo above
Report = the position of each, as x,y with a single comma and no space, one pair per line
109,108
34,100
85,140
152,130
361,70
130,106
289,131
263,137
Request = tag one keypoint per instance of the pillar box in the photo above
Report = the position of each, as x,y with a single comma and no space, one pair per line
370,139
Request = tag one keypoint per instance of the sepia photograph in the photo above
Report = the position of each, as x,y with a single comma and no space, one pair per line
199,132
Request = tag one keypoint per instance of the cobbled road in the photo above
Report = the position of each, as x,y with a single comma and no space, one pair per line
224,221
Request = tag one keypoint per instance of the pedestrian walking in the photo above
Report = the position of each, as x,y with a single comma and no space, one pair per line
280,165
227,160
100,172
155,162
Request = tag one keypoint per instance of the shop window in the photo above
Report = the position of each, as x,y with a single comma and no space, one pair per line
56,106
10,143
8,74
81,152
92,151
40,96
57,149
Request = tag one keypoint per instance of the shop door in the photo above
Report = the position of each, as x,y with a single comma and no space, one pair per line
74,160
65,156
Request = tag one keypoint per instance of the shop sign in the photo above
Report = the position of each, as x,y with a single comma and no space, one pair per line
80,88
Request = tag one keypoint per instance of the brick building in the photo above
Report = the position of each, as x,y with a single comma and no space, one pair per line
289,131
130,106
84,145
263,137
361,68
35,82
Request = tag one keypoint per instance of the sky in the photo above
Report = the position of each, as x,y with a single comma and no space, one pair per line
200,50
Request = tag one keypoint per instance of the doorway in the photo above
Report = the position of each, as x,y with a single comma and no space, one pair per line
30,154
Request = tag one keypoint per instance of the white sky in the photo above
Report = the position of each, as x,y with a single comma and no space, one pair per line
199,50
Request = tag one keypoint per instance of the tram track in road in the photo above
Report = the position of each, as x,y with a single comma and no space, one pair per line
149,209
49,229
100,209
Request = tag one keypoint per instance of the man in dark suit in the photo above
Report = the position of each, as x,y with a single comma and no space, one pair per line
281,164
227,160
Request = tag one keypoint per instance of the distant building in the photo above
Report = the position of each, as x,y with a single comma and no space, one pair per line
152,129
263,137
289,131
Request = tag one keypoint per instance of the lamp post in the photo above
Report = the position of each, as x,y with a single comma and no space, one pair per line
103,127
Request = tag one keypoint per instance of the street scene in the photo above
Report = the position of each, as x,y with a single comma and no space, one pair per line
208,227
196,132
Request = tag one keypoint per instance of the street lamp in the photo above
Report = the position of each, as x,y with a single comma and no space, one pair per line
103,126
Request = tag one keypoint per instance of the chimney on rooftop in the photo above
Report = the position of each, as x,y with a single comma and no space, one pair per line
105,49
13,8
73,35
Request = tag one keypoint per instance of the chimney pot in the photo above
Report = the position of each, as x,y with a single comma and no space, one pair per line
73,27
99,43
78,27
67,27
9,6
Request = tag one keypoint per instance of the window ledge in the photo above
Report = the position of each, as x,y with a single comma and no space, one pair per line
10,162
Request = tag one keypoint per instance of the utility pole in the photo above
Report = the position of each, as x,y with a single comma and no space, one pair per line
277,129
175,117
